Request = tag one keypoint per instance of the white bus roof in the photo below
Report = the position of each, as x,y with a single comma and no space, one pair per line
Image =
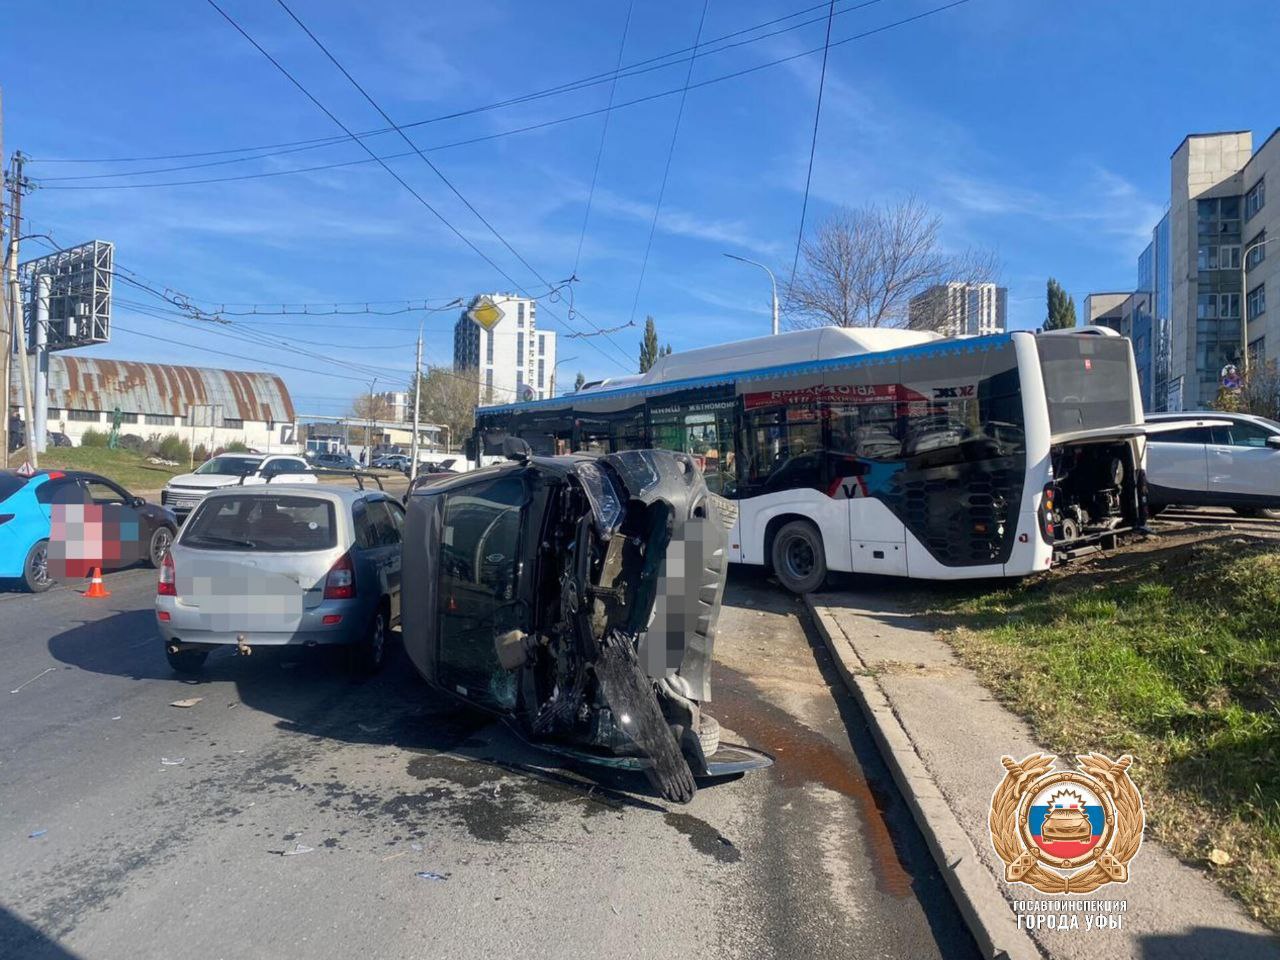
800,346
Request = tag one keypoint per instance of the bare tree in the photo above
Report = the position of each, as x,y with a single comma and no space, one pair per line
861,267
449,398
365,409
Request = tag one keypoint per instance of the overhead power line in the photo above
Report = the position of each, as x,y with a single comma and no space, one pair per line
571,86
528,128
813,148
436,170
381,162
666,170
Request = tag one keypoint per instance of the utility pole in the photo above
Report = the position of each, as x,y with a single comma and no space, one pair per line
6,325
37,433
417,404
17,183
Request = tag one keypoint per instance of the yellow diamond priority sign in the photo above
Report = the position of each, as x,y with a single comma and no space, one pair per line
486,313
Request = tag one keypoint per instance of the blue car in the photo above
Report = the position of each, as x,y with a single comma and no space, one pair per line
26,507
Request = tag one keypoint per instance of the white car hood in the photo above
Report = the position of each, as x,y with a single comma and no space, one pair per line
205,481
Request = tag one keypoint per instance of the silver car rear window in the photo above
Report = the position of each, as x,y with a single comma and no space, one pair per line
262,522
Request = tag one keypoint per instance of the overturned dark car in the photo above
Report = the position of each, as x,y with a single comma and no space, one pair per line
578,597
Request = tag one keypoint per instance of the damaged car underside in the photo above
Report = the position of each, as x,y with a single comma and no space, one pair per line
578,597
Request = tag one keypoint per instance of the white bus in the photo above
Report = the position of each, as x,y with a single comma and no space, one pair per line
881,451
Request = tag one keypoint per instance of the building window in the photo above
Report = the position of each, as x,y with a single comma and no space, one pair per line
157,420
1229,257
488,379
1258,351
488,348
519,383
1258,301
1255,199
84,416
1207,306
1229,305
127,418
519,314
1258,251
1206,258
232,423
519,349
542,344
542,366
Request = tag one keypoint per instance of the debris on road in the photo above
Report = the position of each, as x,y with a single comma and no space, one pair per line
34,679
429,875
117,718
36,834
174,762
1219,858
187,703
298,850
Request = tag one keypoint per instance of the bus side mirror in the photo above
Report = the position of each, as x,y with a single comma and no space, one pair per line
469,449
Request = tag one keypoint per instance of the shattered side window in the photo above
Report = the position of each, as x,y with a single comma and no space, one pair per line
479,575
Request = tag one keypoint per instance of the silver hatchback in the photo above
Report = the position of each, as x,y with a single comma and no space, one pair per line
284,565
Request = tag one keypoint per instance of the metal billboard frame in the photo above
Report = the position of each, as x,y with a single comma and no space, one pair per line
79,294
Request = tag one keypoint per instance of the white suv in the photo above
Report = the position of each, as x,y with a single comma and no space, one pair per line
1237,465
185,491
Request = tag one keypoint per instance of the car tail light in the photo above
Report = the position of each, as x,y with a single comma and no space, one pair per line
162,615
340,583
331,618
167,582
1047,529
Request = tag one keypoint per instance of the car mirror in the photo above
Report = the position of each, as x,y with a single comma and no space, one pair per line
137,502
515,448
469,448
1273,441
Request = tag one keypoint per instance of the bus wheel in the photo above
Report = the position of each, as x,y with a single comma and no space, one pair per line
799,561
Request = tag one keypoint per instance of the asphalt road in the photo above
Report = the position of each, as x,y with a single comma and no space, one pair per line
107,851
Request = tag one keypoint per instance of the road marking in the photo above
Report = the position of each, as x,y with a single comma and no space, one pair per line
35,678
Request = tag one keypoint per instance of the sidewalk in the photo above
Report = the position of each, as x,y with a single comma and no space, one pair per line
943,735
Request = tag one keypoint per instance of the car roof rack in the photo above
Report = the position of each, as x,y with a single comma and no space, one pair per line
357,474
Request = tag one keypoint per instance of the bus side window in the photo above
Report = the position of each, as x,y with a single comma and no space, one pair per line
783,449
867,431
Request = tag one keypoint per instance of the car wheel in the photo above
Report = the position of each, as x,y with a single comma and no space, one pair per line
709,735
186,661
161,541
799,561
35,569
367,655
1266,513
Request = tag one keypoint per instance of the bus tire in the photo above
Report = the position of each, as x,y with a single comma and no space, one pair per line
799,561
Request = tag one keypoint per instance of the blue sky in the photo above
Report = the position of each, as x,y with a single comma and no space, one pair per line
1041,130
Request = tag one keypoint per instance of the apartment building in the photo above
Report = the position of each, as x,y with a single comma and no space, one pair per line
960,309
1208,265
512,360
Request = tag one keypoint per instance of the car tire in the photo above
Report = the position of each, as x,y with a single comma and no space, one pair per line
799,561
1258,513
366,657
709,735
186,661
35,568
161,540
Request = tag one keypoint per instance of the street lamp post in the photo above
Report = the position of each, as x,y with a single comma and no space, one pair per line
772,281
1244,302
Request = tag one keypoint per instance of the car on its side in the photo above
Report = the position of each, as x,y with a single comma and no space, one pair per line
26,520
283,565
578,598
1234,464
57,439
183,492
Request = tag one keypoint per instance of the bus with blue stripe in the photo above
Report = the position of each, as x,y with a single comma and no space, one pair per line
880,451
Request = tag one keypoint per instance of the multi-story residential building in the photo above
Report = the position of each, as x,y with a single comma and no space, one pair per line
1194,279
511,361
399,406
955,309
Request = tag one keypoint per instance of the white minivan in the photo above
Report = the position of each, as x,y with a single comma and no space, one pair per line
1236,465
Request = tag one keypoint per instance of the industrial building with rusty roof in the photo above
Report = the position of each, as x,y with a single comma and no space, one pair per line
220,405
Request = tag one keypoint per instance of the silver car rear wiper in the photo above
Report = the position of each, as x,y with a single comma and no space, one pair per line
229,541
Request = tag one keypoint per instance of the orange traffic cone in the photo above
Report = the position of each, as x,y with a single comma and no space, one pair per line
96,589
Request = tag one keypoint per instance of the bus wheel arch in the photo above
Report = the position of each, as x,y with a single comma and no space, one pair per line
795,550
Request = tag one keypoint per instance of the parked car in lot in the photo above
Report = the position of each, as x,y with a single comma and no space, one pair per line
334,461
183,492
26,513
578,597
283,565
1235,465
392,461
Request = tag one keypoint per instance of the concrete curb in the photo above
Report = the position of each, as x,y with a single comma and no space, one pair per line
983,906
